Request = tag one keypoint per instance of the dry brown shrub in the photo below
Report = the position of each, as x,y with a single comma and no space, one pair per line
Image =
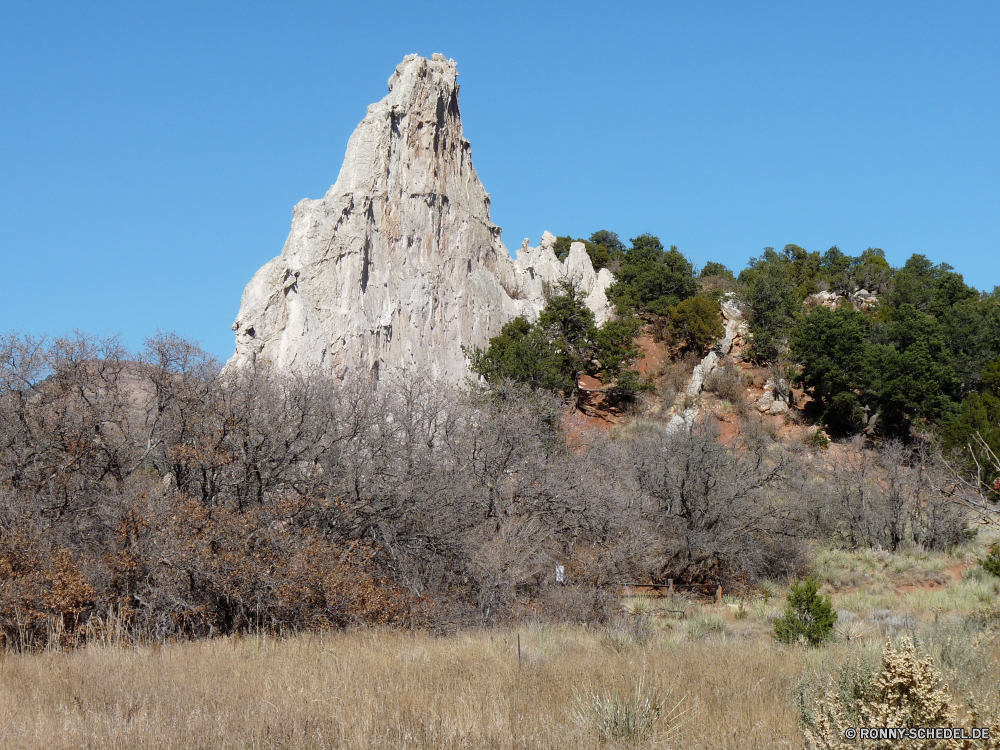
892,497
44,595
728,382
577,603
224,570
713,506
710,284
191,571
195,504
674,375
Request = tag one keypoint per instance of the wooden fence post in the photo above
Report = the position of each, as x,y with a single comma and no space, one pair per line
718,595
670,586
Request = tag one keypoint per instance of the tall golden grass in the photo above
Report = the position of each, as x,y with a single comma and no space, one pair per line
389,689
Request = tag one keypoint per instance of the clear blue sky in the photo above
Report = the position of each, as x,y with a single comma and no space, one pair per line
151,153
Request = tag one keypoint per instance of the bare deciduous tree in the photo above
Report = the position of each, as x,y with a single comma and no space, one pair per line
716,506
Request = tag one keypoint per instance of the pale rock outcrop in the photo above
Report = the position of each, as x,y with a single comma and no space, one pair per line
736,327
539,272
398,267
537,269
684,418
701,371
861,299
776,397
731,309
766,401
593,286
597,299
778,408
823,299
733,316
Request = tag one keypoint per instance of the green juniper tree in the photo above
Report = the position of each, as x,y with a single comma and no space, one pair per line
651,278
562,344
771,303
716,269
808,615
696,321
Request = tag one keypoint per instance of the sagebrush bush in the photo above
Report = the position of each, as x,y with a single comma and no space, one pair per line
907,692
727,383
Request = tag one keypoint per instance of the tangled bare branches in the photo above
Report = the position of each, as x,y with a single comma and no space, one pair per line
185,501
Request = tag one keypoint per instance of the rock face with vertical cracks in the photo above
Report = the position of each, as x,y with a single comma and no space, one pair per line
398,266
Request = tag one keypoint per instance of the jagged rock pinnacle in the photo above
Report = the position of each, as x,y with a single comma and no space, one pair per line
398,266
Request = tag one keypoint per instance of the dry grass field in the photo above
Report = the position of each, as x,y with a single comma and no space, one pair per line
714,672
384,689
718,685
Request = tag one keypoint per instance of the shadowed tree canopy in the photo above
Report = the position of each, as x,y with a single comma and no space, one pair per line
979,417
771,300
609,240
899,367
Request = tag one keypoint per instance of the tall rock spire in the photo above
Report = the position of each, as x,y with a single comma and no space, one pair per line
398,266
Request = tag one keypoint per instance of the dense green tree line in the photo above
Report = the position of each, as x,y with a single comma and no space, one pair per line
915,358
978,417
775,284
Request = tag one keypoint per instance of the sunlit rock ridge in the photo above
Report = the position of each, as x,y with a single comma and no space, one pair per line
398,267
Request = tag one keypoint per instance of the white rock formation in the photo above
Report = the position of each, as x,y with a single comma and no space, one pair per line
701,371
733,316
736,327
778,408
538,272
776,398
684,418
766,401
398,266
861,299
